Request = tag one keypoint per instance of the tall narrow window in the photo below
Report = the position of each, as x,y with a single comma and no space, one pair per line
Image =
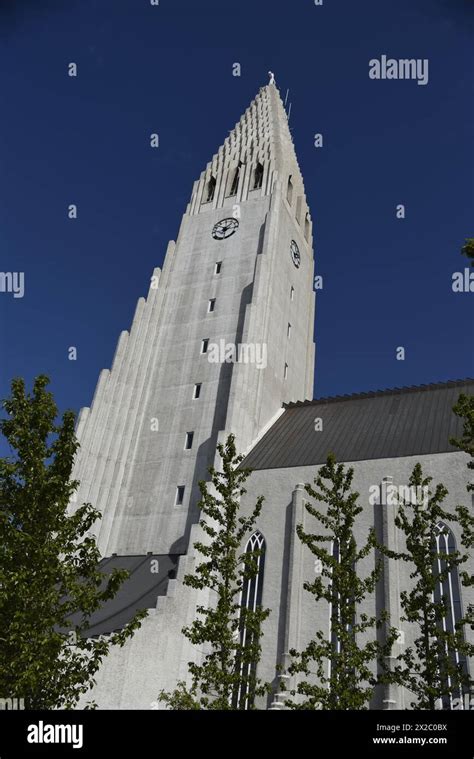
307,226
235,182
197,390
288,331
218,267
292,293
448,588
285,372
289,191
204,345
179,495
211,188
188,441
337,613
250,599
334,611
211,305
258,177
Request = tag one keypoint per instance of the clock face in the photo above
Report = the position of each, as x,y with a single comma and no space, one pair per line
224,228
295,254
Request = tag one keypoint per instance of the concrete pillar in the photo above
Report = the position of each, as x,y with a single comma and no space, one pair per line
294,595
391,589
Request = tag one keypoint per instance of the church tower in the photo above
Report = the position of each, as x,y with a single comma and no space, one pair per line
223,339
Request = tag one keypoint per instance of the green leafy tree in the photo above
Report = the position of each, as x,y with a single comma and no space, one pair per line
48,561
468,249
428,668
226,678
352,663
465,409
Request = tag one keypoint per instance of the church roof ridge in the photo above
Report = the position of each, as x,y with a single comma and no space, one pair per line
380,393
398,423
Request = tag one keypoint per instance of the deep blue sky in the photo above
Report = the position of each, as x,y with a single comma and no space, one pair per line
142,69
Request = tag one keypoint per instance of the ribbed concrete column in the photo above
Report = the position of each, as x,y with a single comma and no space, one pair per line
391,590
294,594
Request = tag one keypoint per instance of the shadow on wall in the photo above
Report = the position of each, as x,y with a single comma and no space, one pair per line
207,450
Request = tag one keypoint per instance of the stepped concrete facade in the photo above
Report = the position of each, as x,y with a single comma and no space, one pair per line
133,457
240,273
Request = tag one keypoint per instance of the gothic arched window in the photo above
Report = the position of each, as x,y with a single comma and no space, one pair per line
448,588
289,191
334,611
251,598
335,615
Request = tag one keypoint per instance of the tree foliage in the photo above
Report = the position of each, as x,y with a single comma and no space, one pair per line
429,667
342,668
464,408
48,560
468,249
226,678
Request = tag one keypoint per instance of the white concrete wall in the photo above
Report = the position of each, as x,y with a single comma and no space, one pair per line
295,617
128,469
157,656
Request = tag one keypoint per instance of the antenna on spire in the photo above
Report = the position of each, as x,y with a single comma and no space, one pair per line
286,96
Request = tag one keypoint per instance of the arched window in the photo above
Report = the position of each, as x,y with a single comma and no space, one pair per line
289,191
251,598
448,588
335,611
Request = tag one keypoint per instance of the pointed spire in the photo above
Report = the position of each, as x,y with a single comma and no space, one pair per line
258,151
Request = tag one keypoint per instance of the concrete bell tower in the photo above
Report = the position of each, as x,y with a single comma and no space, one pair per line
224,337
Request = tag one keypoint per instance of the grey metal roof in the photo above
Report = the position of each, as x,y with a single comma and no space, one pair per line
139,591
382,424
